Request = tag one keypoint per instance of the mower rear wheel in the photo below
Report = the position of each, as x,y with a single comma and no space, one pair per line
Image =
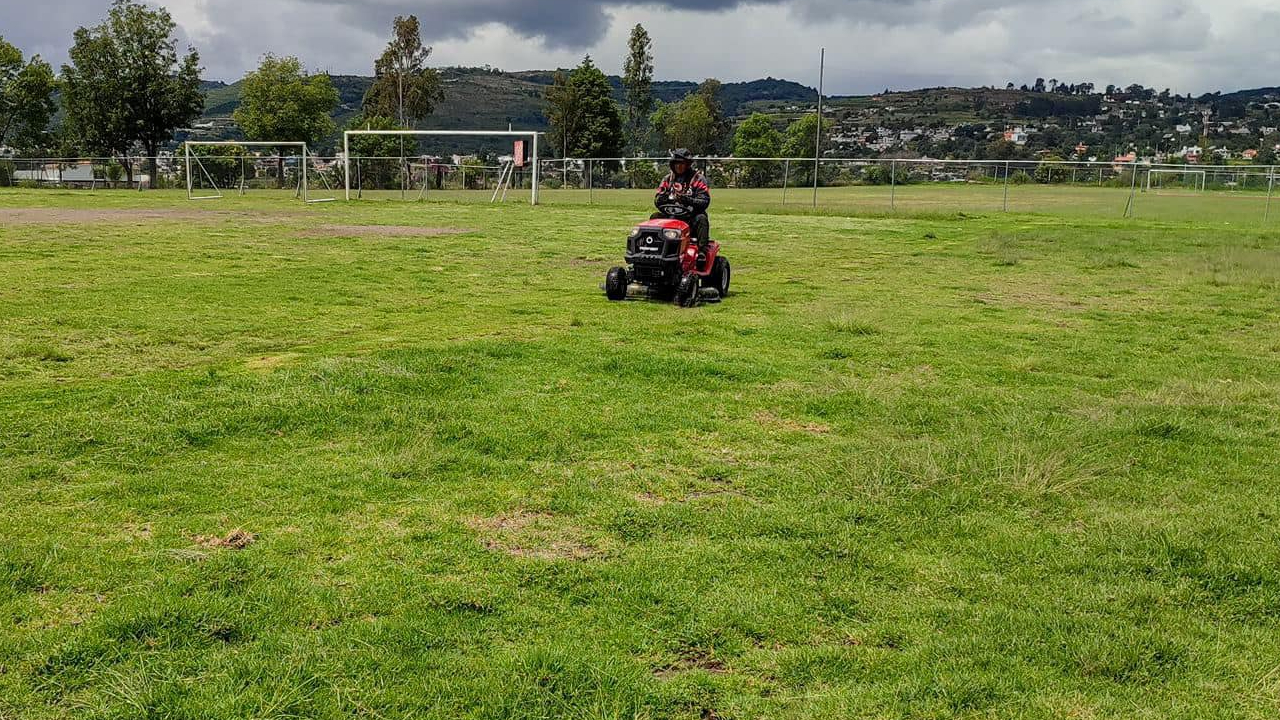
720,276
687,293
615,284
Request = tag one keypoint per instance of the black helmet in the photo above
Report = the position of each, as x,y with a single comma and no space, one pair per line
680,155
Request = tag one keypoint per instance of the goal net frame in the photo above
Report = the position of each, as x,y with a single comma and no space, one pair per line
1200,186
427,167
529,134
304,159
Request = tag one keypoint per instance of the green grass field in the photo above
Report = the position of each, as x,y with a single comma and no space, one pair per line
953,464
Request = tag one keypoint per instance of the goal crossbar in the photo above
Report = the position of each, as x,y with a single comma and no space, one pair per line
347,135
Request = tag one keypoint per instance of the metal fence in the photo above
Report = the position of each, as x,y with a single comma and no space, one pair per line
1239,193
1118,189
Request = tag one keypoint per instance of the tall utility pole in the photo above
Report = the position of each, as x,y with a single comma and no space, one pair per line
817,152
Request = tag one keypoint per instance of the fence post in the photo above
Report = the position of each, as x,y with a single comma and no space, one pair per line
817,170
1006,186
1133,191
786,176
1271,188
591,183
893,184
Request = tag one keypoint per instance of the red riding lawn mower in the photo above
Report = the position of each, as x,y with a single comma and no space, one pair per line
665,262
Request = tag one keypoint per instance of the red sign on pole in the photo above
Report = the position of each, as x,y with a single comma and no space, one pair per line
519,153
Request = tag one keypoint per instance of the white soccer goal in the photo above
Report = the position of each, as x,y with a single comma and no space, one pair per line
1199,178
533,136
208,175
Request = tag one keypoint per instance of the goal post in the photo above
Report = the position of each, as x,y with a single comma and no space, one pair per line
525,134
196,172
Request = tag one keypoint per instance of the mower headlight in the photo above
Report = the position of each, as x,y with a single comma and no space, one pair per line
671,234
635,233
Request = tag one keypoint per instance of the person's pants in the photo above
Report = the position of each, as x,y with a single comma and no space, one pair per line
700,225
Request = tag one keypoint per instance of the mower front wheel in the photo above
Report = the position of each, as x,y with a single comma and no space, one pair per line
687,293
615,284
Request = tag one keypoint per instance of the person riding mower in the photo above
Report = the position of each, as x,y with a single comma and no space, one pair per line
672,256
685,195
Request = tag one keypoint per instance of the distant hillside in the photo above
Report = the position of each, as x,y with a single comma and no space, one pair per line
480,98
1266,94
936,122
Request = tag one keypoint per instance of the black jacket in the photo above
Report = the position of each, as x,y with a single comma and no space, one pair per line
691,187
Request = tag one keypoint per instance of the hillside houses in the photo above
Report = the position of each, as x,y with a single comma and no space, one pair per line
940,123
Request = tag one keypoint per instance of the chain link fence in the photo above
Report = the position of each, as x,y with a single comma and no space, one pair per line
1227,193
1103,189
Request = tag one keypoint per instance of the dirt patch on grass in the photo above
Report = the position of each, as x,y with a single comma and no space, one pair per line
85,216
1030,299
237,539
270,362
692,660
767,418
532,535
376,231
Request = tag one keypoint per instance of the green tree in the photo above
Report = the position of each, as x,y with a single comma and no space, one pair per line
584,118
802,136
709,92
280,101
26,98
1001,150
126,83
564,112
637,79
801,142
687,124
1051,171
404,87
757,137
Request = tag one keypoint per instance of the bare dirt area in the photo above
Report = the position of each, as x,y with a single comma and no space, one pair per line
376,231
532,535
237,539
84,216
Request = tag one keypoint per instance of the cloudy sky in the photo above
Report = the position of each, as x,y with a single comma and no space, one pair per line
1188,45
